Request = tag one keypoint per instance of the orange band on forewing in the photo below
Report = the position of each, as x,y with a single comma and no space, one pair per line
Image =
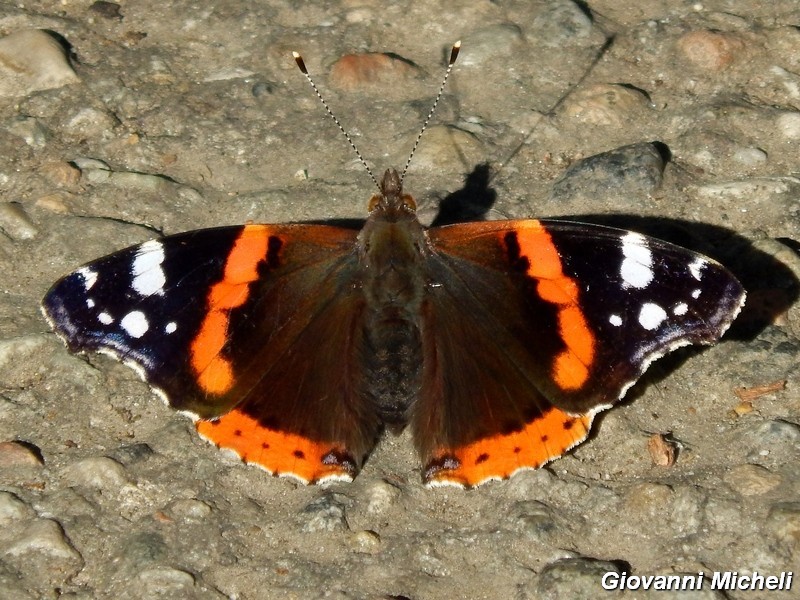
214,372
543,439
570,369
278,453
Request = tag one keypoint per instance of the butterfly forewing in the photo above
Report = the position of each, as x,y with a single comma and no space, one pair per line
560,319
286,294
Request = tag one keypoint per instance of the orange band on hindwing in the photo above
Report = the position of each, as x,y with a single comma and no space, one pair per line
279,453
546,437
570,369
214,371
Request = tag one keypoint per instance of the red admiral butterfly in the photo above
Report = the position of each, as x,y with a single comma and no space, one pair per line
297,345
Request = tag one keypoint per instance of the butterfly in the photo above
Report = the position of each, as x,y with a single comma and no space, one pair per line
297,346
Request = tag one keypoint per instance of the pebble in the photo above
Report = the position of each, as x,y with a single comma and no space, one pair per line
326,513
380,497
20,359
189,509
784,522
91,123
370,70
15,222
446,149
750,157
44,536
627,174
788,125
62,173
773,436
106,10
132,453
534,520
663,451
164,581
756,190
752,480
29,129
490,43
711,51
32,60
20,454
365,540
572,578
649,500
98,472
606,104
13,510
559,23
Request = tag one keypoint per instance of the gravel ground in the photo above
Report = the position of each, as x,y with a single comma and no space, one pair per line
674,118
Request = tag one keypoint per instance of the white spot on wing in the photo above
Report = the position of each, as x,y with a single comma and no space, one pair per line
135,324
696,293
615,320
696,268
651,316
148,276
680,309
89,303
170,327
635,269
105,318
89,277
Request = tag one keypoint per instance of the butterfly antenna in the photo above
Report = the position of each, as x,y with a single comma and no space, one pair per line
453,56
302,66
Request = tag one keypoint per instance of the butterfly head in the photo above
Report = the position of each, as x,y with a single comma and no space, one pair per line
391,201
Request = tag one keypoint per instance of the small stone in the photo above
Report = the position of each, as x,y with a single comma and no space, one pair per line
446,148
54,203
32,60
189,509
132,453
488,44
366,541
20,454
369,70
29,129
13,510
788,125
381,496
534,519
18,359
16,223
752,480
709,50
560,22
750,157
62,174
629,174
573,578
44,536
784,521
107,10
90,123
662,450
649,500
164,581
100,472
326,513
605,104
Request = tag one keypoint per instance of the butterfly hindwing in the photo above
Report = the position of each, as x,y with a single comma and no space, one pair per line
280,305
553,337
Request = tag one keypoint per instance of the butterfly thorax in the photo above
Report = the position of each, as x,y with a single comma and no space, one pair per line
392,247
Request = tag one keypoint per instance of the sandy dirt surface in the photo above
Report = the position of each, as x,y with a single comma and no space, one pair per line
169,116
